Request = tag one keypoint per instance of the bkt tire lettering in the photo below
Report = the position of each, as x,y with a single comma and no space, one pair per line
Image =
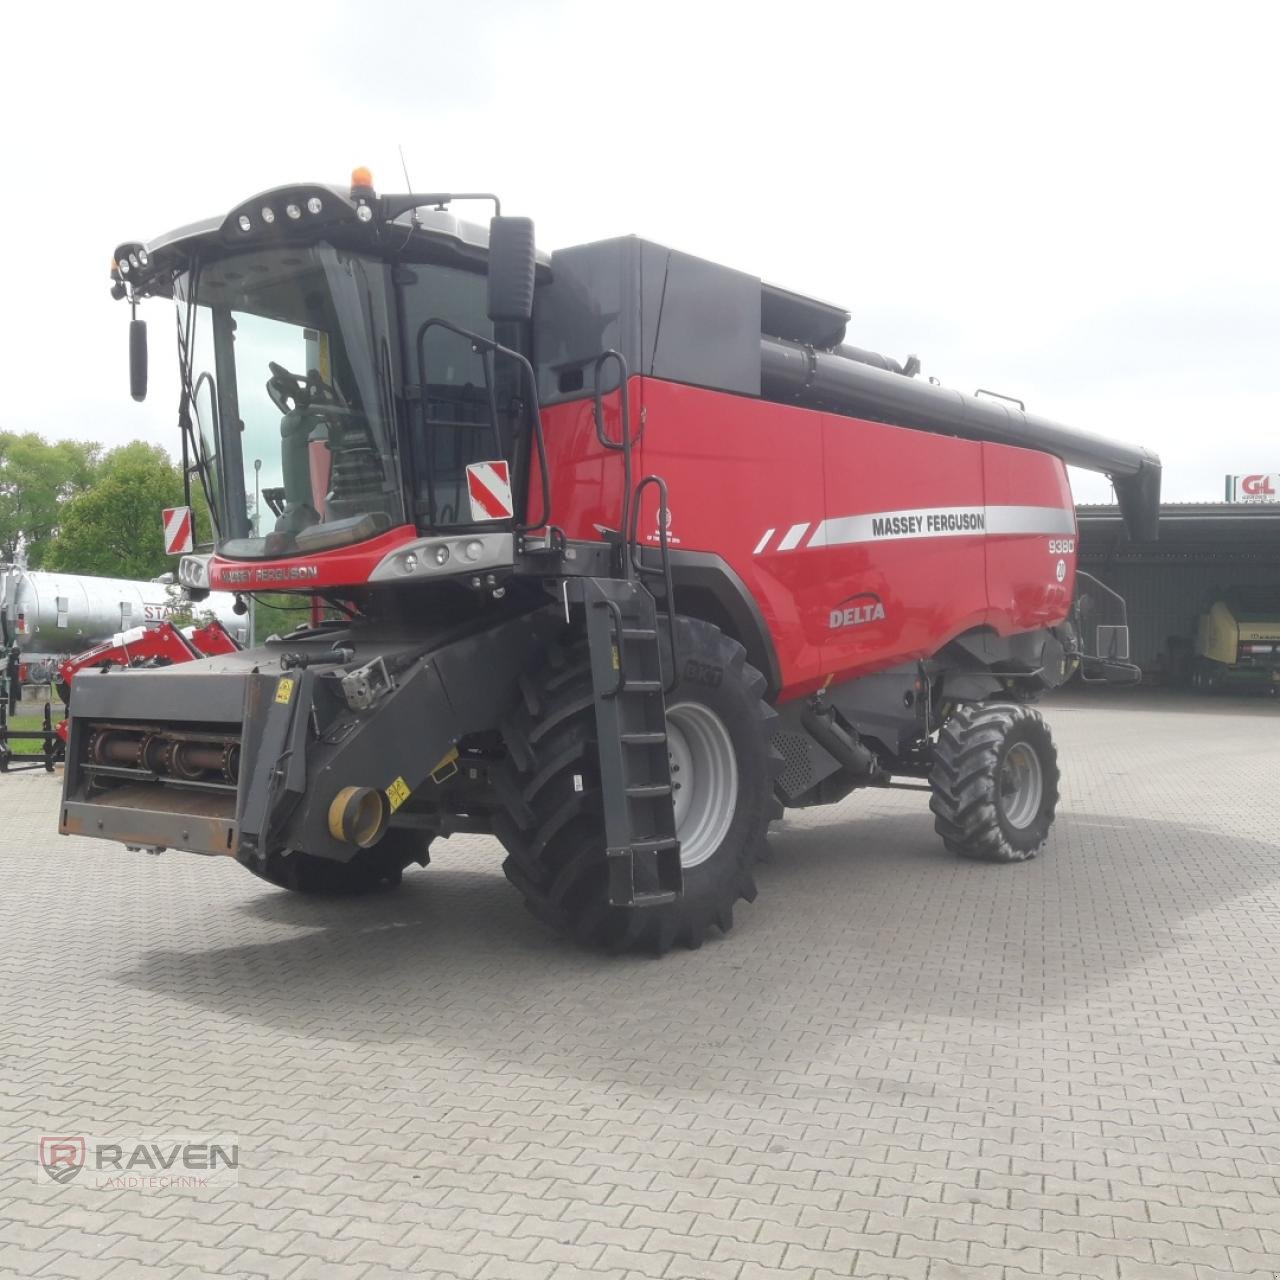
702,673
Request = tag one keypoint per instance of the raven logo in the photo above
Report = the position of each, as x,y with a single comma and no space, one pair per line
62,1158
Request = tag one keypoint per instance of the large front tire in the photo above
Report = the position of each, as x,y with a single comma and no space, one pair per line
995,782
719,729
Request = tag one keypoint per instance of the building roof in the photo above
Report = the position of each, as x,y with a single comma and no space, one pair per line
1187,510
1200,531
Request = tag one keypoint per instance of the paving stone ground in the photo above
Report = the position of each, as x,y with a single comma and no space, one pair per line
897,1065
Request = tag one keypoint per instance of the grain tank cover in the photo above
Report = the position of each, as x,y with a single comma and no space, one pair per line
683,319
673,316
784,314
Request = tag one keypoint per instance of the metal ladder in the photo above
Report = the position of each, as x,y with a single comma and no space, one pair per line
635,769
630,684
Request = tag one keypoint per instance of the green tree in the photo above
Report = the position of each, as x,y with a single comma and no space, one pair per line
38,478
113,528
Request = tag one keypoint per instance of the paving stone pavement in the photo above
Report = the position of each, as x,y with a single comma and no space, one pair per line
897,1065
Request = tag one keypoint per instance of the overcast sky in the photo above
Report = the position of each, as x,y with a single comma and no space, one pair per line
1073,204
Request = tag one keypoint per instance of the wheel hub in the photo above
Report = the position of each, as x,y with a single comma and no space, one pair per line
1021,785
704,779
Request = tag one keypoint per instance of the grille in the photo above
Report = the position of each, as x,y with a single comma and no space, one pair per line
797,763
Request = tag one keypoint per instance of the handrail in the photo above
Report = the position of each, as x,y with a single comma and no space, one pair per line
623,445
481,345
632,553
619,626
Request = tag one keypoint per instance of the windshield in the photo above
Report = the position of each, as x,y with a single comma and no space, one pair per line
292,373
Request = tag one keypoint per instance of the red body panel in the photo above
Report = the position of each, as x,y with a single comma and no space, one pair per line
864,545
343,566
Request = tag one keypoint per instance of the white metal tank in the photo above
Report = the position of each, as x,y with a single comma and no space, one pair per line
47,614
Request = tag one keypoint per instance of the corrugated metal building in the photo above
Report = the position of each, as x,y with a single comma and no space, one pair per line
1203,546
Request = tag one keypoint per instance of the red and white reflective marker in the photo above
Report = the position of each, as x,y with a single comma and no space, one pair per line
489,487
177,531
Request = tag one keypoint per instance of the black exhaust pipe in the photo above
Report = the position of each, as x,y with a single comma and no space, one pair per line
859,383
845,747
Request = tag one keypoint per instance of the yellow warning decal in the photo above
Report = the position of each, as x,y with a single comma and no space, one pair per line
284,690
397,793
617,664
447,767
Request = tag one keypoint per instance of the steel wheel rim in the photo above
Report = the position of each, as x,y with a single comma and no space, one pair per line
1021,785
704,779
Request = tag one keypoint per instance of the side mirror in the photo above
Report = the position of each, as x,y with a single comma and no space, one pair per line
511,266
138,359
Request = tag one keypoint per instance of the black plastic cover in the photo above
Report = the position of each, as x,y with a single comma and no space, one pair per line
671,315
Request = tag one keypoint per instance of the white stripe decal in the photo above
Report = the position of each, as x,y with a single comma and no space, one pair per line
764,542
942,522
792,537
1030,520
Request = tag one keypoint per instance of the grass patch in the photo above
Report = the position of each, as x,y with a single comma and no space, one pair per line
30,746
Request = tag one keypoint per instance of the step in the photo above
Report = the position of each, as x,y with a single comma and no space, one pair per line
639,633
655,845
658,898
654,739
641,686
648,790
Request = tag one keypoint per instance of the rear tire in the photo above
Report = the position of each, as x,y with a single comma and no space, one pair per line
719,729
379,867
995,782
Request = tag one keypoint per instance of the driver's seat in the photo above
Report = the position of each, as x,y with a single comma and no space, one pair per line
297,429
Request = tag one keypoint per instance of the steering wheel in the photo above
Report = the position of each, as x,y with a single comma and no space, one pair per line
288,391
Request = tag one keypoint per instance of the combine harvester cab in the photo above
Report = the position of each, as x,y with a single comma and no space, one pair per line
621,551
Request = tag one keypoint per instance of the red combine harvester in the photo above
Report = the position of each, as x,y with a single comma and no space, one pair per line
630,551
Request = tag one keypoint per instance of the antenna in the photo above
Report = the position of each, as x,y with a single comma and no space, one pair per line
408,184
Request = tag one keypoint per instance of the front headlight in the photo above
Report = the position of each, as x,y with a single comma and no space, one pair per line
193,571
436,556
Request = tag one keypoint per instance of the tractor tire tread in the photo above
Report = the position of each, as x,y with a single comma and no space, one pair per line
964,779
553,835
